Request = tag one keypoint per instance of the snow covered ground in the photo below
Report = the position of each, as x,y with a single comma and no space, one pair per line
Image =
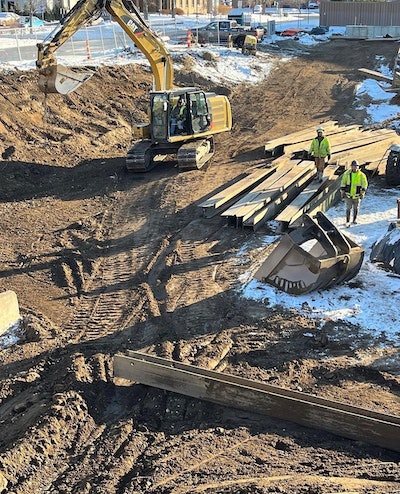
371,299
372,302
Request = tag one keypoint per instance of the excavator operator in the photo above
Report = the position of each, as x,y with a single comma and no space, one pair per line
179,117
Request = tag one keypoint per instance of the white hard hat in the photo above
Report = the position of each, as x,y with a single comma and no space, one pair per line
320,129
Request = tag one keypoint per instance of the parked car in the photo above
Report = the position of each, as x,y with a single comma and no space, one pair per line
25,21
292,32
319,30
9,19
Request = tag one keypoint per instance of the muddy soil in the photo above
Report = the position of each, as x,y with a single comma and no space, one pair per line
103,261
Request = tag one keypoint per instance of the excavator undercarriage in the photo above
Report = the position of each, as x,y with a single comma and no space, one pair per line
192,155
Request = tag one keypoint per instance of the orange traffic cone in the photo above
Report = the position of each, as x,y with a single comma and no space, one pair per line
89,55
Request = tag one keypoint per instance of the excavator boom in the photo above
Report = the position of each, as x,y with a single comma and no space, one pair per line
55,78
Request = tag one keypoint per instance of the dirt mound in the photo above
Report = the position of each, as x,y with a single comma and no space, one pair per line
103,261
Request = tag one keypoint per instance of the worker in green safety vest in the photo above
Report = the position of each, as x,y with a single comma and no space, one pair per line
353,186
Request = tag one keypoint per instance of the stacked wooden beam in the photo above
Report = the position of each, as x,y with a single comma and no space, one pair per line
284,189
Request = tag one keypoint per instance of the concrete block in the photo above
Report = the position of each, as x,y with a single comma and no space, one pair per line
9,310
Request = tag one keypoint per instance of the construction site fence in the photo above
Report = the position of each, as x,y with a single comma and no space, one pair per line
105,40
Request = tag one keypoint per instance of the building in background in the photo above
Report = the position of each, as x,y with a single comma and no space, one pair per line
180,7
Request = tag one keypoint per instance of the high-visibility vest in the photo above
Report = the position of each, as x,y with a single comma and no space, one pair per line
353,183
320,148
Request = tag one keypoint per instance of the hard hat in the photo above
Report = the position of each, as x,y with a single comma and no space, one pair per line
354,163
320,129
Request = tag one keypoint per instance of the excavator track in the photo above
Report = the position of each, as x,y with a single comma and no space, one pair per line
139,157
194,155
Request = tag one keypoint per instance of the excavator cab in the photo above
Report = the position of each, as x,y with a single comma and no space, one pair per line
182,124
177,114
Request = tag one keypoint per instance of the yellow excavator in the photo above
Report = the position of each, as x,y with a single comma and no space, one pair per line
206,114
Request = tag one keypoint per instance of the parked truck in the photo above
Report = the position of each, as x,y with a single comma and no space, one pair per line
225,32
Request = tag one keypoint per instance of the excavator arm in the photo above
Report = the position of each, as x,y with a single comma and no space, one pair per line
59,79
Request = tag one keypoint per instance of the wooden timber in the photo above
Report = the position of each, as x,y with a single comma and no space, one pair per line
328,196
350,145
231,391
376,75
254,199
394,81
270,210
276,147
267,192
297,207
213,205
370,156
254,205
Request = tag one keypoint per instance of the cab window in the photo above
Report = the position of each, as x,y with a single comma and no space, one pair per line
199,112
159,116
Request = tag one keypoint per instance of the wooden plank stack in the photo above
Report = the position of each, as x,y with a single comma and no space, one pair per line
283,190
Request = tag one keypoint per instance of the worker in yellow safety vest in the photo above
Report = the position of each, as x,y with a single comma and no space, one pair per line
353,186
320,149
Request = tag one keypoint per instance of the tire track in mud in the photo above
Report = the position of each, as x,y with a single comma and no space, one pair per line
148,268
116,293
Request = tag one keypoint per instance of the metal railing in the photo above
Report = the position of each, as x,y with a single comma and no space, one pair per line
103,40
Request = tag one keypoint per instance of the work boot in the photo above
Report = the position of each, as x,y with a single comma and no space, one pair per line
355,219
320,177
347,219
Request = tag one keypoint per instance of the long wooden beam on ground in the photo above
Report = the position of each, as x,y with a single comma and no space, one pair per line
296,207
301,141
271,193
327,197
256,197
275,147
257,397
376,75
213,205
271,209
353,146
371,156
345,141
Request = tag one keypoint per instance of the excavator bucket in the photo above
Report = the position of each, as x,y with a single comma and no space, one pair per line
314,256
63,80
386,250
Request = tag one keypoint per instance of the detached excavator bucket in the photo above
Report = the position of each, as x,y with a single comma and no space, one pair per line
314,256
63,80
386,250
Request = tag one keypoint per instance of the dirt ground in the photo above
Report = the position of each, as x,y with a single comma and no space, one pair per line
103,261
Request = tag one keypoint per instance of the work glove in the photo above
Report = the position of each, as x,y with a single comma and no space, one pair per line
362,194
343,194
